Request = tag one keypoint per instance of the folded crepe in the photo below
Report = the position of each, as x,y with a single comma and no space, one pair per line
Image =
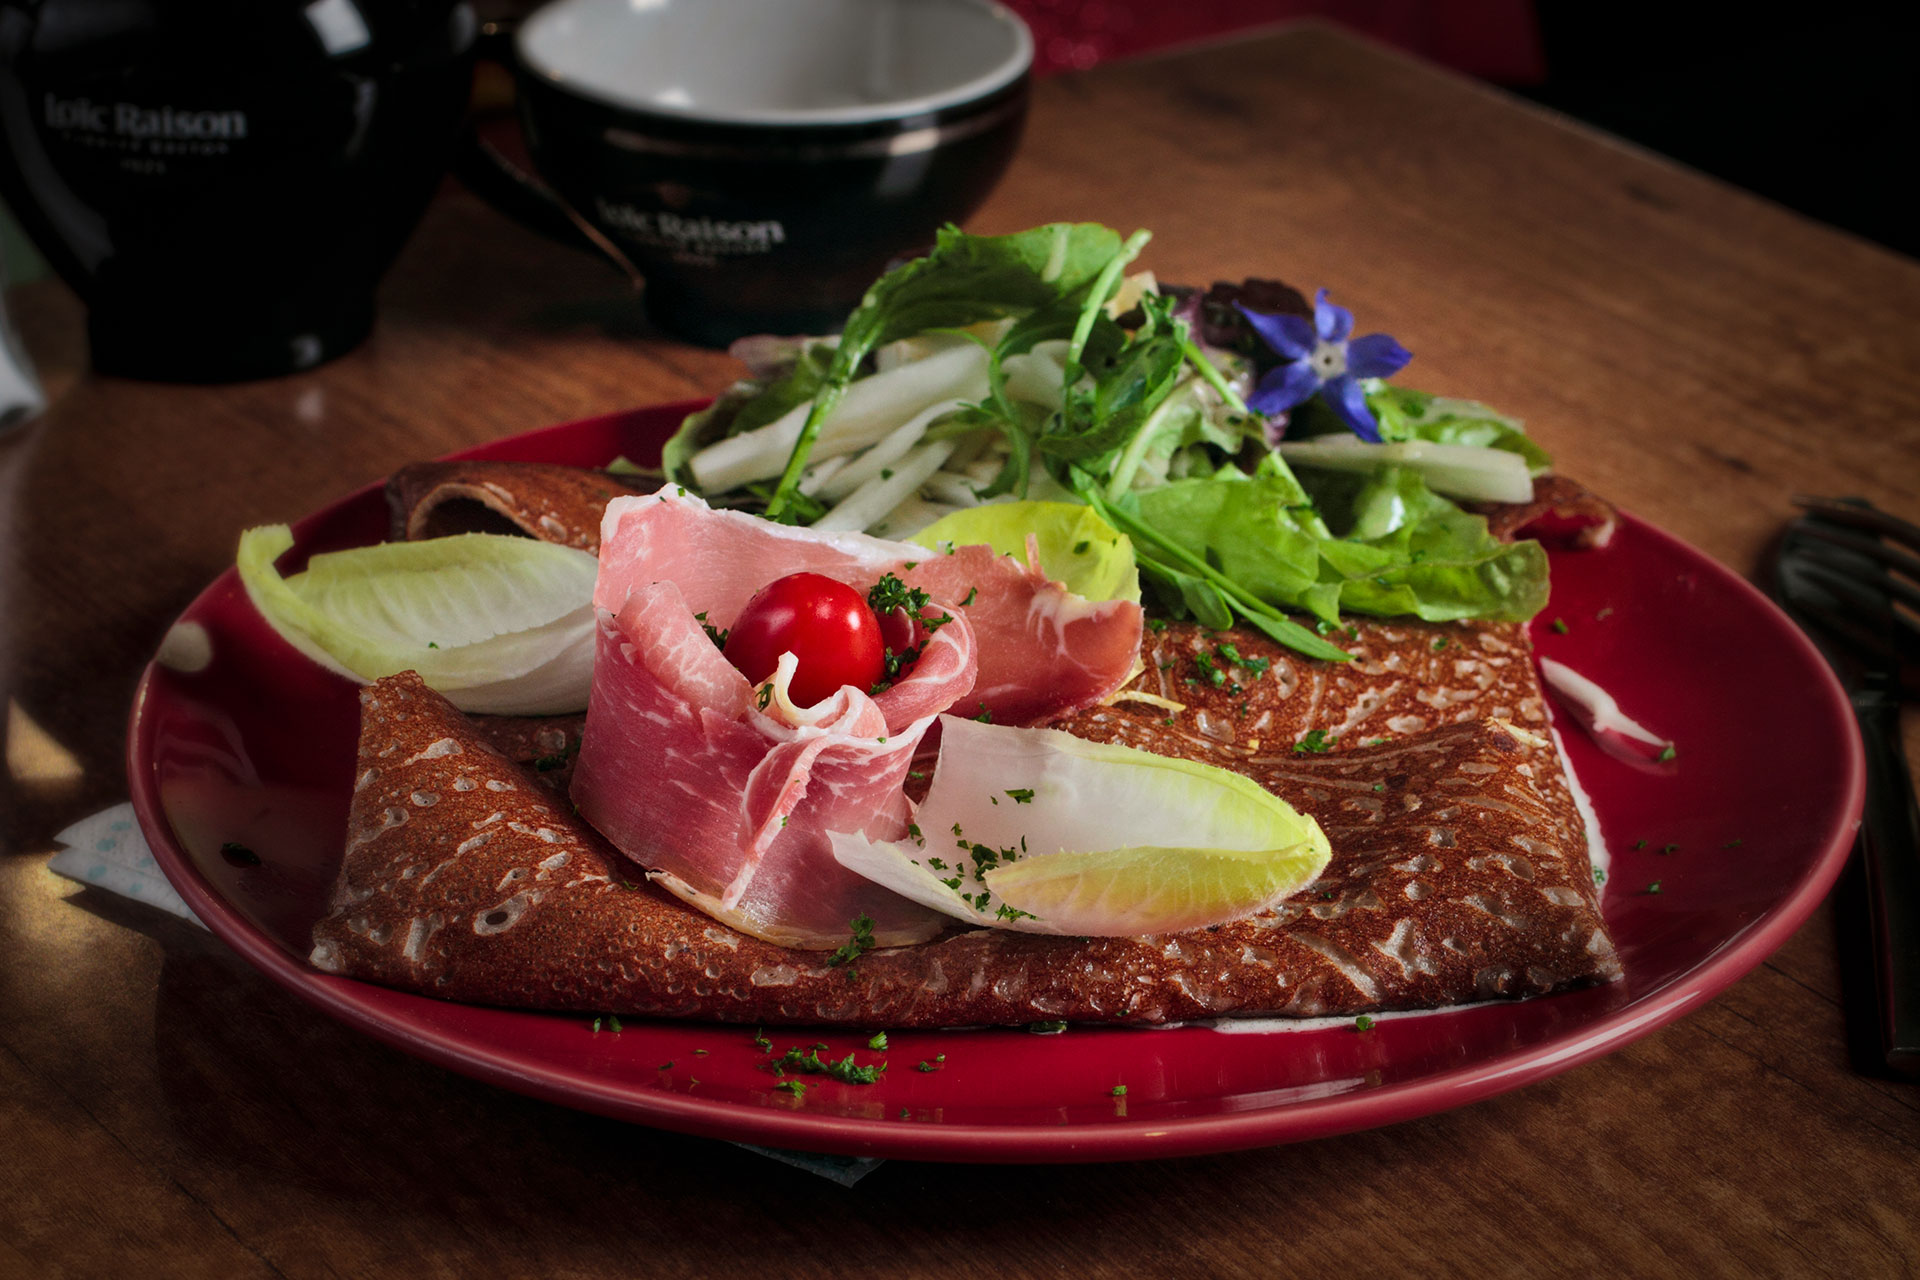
1459,872
542,500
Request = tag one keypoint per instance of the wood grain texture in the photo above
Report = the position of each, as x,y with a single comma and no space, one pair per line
1691,351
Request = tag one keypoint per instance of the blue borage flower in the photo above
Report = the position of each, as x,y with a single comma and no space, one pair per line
1320,358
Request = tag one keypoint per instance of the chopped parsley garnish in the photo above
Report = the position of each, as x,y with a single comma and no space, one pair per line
609,1021
1639,844
846,1071
878,1040
1439,644
665,1066
973,593
1599,875
1021,795
1119,1091
890,593
1006,912
859,944
1231,655
1669,848
1156,624
1050,1028
1080,548
798,1088
913,829
715,634
1666,753
1654,887
1210,673
985,716
760,1039
933,1064
765,696
1363,1023
1316,742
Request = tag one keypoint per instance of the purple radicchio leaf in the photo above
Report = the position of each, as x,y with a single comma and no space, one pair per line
1221,323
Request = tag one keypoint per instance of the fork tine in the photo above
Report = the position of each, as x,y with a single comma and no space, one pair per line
1893,557
1866,610
1861,513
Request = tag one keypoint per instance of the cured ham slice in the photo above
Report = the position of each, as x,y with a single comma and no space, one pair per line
1043,651
728,803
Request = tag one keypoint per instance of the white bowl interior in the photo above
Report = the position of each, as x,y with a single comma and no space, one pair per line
778,61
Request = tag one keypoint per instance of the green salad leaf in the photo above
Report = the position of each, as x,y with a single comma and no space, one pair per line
1077,548
1061,395
964,280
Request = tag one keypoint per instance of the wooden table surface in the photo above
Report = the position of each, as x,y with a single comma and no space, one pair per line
1694,353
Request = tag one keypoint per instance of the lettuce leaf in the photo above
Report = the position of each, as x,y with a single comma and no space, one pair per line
1406,550
1389,544
1077,548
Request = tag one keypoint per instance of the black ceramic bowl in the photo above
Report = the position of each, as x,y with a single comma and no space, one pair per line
761,161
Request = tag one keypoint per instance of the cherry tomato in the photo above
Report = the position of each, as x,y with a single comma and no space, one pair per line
824,624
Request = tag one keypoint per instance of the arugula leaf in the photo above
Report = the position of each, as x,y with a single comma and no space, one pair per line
964,280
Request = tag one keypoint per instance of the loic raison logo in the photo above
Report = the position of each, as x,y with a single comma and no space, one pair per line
131,120
701,235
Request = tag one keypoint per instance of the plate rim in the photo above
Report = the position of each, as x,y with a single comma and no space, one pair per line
1067,1142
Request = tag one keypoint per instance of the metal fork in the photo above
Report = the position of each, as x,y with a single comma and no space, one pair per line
1849,574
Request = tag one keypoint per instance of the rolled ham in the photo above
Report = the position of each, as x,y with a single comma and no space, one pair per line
727,803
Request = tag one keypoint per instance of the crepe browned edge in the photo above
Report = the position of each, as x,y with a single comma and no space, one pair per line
1459,869
542,500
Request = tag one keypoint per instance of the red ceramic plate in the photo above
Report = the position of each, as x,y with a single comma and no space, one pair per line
257,748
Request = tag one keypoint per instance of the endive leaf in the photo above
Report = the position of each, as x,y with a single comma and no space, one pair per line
498,624
1039,831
